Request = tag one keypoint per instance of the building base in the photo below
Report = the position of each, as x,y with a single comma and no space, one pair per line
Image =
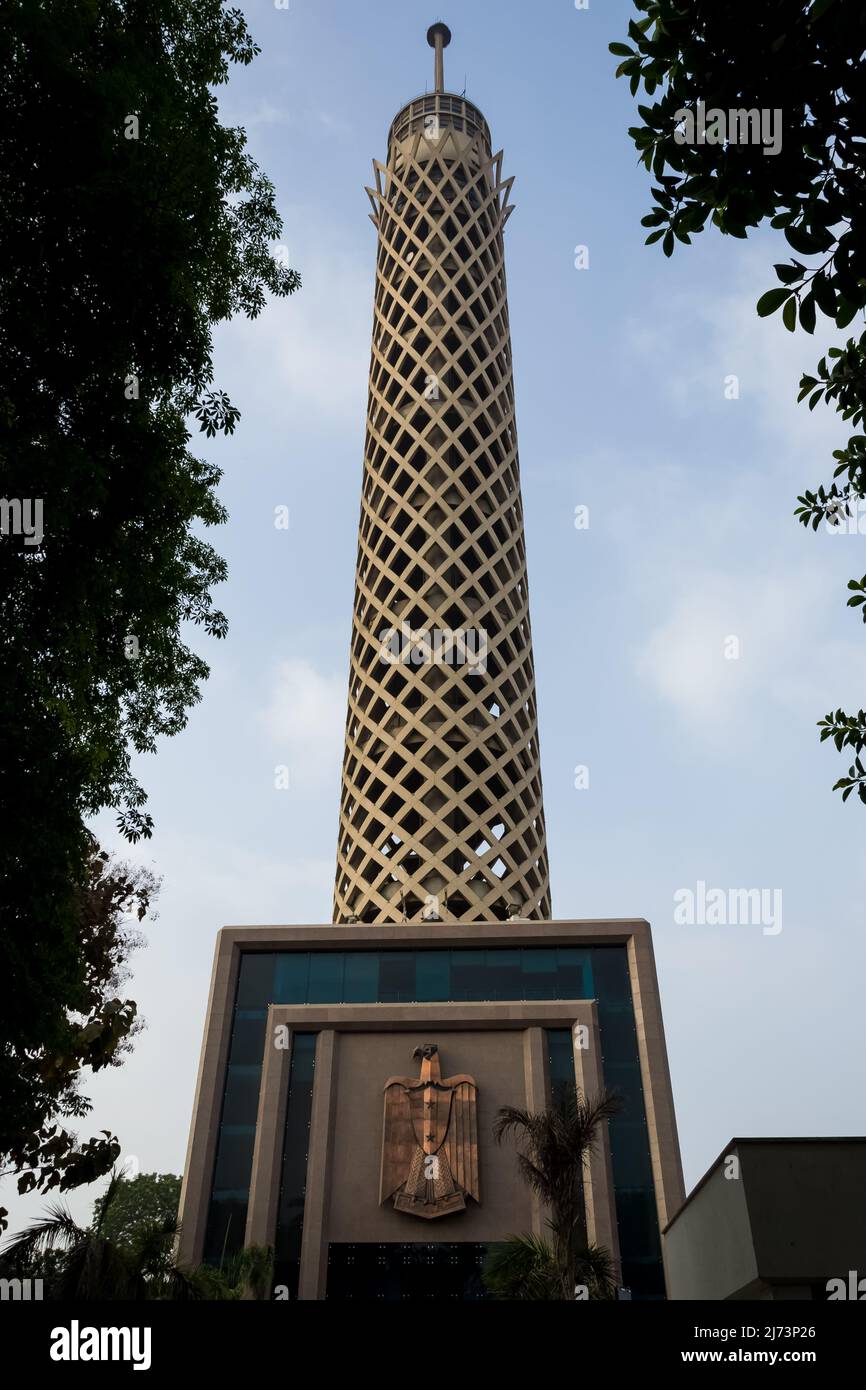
305,1027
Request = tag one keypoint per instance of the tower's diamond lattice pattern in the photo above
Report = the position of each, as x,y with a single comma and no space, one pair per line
441,809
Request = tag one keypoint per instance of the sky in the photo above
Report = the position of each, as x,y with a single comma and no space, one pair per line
702,756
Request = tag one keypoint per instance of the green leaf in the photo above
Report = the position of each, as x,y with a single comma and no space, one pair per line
807,243
668,243
789,314
771,301
622,50
825,296
807,313
845,313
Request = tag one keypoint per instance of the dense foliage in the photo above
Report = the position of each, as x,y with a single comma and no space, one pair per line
131,222
802,59
128,1252
41,1085
146,1199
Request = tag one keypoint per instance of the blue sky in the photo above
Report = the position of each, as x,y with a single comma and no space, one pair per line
700,768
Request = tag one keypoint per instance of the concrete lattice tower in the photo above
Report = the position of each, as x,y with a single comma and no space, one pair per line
441,810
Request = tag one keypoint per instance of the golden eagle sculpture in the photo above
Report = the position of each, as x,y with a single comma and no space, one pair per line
429,1140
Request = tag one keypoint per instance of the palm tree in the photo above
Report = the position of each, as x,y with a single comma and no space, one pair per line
525,1267
556,1144
88,1264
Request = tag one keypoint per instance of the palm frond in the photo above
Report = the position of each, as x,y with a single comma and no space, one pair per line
181,1285
522,1267
153,1242
56,1229
509,1118
594,1267
115,1182
95,1269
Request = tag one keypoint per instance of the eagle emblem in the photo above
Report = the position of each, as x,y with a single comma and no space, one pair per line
429,1140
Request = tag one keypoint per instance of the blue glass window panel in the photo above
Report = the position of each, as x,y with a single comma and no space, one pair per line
241,1103
248,1037
234,1156
292,977
560,1056
397,977
303,1059
625,1079
504,975
630,1156
644,1277
361,980
618,1036
637,1219
610,969
326,977
571,972
297,977
290,1213
256,979
226,1225
539,973
432,975
468,975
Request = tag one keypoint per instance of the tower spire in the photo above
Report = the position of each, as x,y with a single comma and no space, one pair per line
439,37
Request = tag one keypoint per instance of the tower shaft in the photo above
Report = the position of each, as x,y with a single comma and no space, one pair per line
441,808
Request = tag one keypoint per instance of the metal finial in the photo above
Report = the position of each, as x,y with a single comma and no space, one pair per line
439,37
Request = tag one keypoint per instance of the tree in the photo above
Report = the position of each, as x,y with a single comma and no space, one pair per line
556,1147
127,1254
146,1200
801,63
41,1085
131,223
89,1264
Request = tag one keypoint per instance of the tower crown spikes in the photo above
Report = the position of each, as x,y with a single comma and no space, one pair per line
439,37
441,810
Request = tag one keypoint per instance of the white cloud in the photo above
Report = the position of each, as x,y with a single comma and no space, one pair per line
308,120
209,884
775,620
309,354
305,719
728,339
725,554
